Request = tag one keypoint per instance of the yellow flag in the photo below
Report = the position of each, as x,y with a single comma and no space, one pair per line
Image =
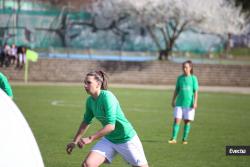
31,55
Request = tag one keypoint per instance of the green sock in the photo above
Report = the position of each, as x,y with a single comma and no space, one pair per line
187,128
176,128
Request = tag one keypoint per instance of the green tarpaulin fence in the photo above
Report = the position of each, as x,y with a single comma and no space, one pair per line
41,26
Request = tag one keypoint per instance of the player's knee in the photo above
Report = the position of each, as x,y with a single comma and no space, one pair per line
89,163
86,164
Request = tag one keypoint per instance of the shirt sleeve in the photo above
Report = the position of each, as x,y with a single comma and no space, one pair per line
6,86
110,108
88,115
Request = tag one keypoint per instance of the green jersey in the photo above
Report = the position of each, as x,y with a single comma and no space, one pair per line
5,86
107,110
186,86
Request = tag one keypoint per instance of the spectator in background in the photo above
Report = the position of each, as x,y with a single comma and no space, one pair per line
21,53
13,54
6,51
5,86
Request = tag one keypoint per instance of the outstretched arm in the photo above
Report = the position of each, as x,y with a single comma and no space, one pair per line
102,132
82,129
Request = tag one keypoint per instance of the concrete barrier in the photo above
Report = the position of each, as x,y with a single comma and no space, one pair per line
151,72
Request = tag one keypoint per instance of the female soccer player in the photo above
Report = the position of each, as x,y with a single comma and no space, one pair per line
184,101
5,86
117,134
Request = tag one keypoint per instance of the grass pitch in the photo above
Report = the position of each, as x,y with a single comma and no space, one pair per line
55,112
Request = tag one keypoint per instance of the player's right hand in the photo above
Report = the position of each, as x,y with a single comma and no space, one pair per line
70,147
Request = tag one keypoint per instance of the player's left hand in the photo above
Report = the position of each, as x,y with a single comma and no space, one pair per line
70,147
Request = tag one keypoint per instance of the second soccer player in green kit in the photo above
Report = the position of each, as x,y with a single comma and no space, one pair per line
184,101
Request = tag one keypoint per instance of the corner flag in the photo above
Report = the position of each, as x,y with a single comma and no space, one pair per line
31,55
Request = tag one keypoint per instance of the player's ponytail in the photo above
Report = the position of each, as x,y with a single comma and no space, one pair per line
101,77
104,85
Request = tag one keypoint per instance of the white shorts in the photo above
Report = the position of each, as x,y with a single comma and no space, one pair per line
131,151
184,113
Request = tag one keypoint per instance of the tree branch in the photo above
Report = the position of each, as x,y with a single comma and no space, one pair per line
158,45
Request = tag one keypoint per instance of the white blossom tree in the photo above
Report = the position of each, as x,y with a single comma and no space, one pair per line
165,20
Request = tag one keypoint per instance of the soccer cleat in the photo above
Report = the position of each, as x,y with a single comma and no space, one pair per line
184,142
172,141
